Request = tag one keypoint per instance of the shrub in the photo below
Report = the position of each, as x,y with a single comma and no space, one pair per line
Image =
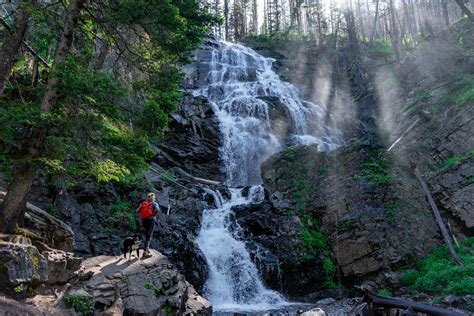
438,273
81,304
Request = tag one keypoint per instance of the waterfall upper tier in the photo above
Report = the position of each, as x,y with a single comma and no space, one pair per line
259,114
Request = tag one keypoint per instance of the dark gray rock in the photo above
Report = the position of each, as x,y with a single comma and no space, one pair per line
146,286
21,264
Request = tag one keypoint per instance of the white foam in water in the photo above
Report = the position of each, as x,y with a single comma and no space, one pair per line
237,79
234,282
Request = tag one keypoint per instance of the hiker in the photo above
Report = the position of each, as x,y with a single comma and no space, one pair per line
148,210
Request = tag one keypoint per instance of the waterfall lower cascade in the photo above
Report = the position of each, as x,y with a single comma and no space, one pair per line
259,115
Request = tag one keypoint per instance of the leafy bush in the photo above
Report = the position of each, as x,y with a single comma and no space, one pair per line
81,304
438,273
455,160
312,241
120,211
384,292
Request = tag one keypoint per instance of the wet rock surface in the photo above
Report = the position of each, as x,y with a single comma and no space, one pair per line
272,237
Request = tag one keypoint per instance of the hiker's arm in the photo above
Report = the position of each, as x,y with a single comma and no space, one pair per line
138,209
156,208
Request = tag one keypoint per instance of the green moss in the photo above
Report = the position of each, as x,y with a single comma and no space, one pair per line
312,241
346,225
290,154
156,291
168,309
468,181
438,274
384,292
81,304
392,211
374,168
455,160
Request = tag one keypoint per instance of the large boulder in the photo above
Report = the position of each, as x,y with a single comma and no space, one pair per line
61,265
21,264
147,287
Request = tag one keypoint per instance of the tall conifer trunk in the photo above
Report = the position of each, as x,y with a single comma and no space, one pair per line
12,44
14,203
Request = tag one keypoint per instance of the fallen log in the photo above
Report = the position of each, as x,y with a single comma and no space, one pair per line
404,134
64,289
390,302
439,220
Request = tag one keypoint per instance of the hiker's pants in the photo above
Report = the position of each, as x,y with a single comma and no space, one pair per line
149,225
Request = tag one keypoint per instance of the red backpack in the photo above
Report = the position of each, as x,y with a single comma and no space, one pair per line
146,209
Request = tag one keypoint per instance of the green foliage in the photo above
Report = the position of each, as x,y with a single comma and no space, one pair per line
374,168
102,121
384,292
439,274
345,225
81,304
168,309
464,90
392,211
312,241
120,211
20,288
154,289
381,48
468,181
455,160
421,98
290,153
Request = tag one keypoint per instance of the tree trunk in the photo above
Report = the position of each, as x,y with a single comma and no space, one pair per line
103,51
351,30
394,33
14,202
463,7
374,27
439,220
226,19
12,44
445,12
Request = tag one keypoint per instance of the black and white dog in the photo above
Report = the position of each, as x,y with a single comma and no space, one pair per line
130,244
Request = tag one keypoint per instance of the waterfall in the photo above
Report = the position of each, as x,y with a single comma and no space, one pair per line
258,115
234,283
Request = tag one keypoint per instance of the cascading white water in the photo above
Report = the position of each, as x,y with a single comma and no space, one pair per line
234,283
240,83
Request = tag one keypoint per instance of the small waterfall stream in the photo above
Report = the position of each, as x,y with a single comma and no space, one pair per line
248,97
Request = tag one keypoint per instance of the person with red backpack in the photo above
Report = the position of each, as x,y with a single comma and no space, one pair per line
148,210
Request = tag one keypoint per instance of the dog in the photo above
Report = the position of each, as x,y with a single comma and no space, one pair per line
130,244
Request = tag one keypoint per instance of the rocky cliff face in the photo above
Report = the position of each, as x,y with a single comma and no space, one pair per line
375,222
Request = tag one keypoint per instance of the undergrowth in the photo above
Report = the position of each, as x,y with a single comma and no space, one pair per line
439,274
81,304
